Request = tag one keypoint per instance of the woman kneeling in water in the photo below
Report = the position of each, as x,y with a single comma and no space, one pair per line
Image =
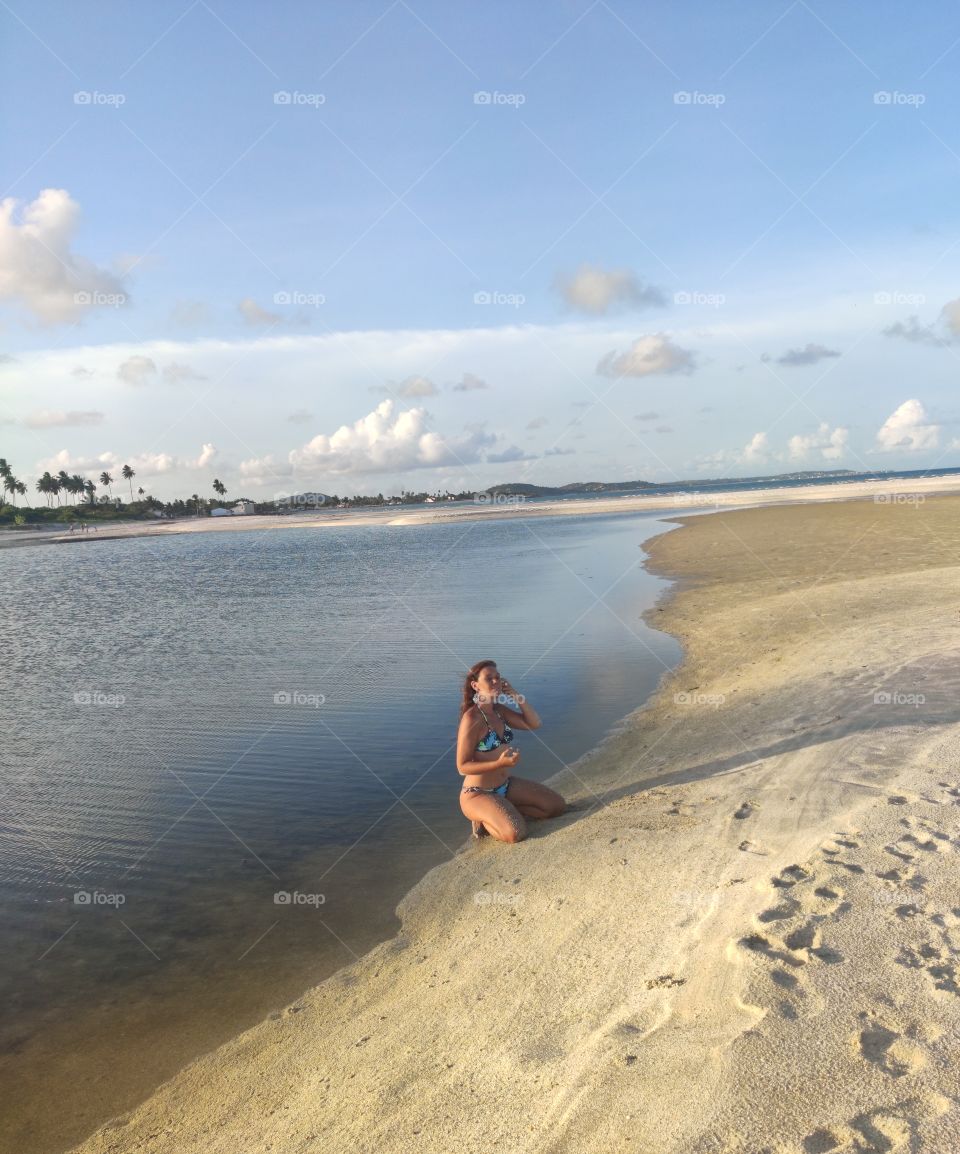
495,802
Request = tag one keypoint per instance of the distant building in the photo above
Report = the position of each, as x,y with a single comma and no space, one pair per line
218,512
243,508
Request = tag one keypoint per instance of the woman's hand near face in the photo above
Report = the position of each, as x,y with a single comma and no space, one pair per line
509,757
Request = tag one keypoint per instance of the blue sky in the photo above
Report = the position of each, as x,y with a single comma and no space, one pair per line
359,247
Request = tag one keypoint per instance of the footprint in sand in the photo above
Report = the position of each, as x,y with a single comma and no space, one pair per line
790,876
746,810
881,1131
886,1048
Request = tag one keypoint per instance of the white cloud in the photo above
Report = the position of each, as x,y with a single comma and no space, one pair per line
757,449
511,453
254,315
830,444
907,428
39,270
647,356
207,454
381,442
595,291
261,470
143,464
48,419
137,370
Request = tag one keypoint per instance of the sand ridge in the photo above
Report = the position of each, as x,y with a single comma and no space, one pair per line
742,938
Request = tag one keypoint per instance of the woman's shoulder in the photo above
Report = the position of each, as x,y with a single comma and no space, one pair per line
472,717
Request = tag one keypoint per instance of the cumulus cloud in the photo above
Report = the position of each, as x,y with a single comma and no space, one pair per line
143,464
756,450
808,355
908,429
944,330
830,444
38,267
469,382
48,419
384,441
258,470
597,291
137,370
254,315
655,354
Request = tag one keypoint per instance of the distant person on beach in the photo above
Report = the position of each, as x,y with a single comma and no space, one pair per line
494,801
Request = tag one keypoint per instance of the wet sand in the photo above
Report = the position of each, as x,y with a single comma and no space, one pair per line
744,937
442,513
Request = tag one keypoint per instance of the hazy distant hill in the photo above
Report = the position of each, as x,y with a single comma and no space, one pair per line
520,488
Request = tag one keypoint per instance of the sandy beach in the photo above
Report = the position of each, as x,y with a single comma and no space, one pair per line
441,513
744,937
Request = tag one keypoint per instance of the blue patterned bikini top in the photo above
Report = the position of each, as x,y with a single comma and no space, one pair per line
491,741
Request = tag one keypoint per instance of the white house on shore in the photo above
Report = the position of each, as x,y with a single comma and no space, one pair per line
243,508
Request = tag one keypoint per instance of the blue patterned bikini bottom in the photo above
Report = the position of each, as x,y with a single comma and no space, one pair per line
498,789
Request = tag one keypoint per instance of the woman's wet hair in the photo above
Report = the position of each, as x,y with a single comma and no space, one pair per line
468,690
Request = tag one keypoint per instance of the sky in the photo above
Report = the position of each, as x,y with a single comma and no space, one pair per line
364,247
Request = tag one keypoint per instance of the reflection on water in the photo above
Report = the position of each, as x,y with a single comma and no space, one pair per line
200,725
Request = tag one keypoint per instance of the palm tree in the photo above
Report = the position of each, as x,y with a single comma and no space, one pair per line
45,486
76,486
128,475
106,480
21,489
219,488
89,487
140,492
196,502
5,474
55,486
10,484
